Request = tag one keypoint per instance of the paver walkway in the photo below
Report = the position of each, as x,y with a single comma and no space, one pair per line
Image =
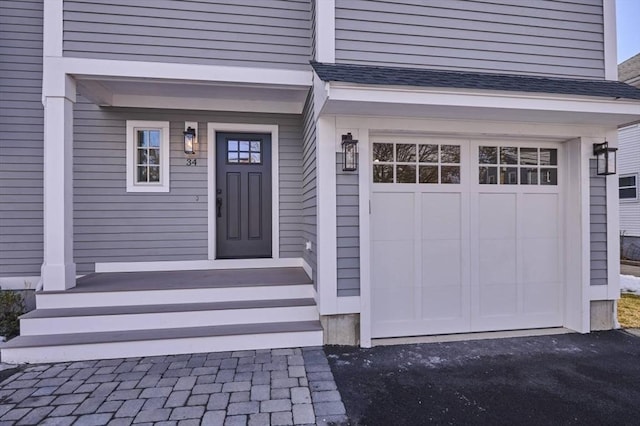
262,387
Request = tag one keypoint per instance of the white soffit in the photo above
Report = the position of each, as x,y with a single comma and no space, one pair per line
146,93
361,100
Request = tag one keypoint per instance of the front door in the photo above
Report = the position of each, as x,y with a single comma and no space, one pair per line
243,195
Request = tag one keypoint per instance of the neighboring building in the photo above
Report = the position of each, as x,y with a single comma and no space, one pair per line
474,207
629,170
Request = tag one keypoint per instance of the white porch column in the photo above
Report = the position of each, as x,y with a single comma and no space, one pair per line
327,273
58,269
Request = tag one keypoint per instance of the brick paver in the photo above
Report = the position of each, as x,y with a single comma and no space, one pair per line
261,387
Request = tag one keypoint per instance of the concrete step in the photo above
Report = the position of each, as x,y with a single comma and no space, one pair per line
149,317
136,343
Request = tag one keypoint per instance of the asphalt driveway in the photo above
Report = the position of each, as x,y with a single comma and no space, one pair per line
569,379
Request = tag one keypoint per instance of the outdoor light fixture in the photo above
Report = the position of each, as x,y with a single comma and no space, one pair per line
349,153
606,158
189,138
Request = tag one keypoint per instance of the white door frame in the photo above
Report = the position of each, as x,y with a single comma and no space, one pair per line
212,130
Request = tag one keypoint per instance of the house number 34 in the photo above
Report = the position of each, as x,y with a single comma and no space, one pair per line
192,161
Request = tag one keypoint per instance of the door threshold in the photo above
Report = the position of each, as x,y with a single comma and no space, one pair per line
443,338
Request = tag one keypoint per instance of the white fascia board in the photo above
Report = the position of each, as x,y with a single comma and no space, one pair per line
182,72
326,31
320,95
209,104
488,99
610,40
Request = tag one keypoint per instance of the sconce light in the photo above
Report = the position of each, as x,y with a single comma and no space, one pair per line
189,138
349,153
605,158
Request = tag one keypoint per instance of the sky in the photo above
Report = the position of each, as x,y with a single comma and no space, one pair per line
628,17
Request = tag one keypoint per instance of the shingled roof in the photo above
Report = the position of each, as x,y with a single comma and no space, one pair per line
394,76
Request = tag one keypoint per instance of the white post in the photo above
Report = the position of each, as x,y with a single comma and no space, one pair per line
58,269
326,216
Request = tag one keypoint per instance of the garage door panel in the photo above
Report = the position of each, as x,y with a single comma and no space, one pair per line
394,304
540,260
441,215
444,302
498,300
394,218
497,215
441,263
497,261
540,214
394,265
541,298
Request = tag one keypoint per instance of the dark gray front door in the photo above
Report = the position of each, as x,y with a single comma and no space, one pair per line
243,195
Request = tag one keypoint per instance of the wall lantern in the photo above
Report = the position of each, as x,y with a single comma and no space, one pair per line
606,158
189,140
349,153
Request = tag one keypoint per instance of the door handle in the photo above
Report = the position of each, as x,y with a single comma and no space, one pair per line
219,206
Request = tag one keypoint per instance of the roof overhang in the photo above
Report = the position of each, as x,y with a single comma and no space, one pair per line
341,98
185,86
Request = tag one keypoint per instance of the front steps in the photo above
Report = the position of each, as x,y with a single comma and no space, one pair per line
148,314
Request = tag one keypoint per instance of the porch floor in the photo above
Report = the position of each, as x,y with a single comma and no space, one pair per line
169,280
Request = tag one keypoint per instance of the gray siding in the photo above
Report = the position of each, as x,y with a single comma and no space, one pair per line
309,193
556,38
598,215
348,231
112,225
21,136
261,33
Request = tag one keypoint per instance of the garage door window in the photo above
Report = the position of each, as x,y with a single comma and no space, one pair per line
416,163
509,165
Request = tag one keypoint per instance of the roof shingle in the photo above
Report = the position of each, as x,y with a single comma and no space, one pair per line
395,76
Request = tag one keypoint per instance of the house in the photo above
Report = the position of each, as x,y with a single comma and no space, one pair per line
207,175
629,170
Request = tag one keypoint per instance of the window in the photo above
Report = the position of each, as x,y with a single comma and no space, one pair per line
510,165
416,163
244,151
147,156
628,187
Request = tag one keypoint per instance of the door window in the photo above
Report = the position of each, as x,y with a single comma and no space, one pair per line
510,165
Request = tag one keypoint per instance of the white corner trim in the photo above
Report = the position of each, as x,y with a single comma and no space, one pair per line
348,305
212,129
165,179
84,67
326,215
598,292
325,31
19,283
610,40
613,227
192,265
364,196
52,28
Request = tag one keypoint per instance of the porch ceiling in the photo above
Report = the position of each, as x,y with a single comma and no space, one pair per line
178,94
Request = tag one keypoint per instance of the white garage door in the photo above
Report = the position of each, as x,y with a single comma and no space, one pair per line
465,236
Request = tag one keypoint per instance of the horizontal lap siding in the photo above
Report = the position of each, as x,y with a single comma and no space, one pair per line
629,163
598,223
348,231
112,225
309,194
260,33
21,138
553,38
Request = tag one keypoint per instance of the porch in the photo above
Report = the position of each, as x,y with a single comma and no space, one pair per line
115,315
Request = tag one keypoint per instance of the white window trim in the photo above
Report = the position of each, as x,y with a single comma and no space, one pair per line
163,185
637,186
